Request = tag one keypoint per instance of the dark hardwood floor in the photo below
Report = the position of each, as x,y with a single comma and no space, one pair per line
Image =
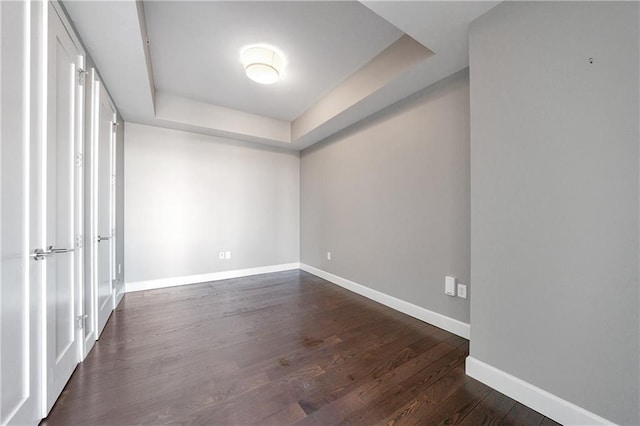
275,349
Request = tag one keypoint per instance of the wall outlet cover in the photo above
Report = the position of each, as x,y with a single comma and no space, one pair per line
227,255
450,286
462,291
221,255
328,255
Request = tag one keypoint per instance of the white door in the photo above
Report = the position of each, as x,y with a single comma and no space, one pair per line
118,285
89,285
105,218
20,218
63,204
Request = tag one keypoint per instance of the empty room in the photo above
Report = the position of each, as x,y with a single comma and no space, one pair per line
319,212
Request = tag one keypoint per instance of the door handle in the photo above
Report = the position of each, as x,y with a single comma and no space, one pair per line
56,251
40,254
100,238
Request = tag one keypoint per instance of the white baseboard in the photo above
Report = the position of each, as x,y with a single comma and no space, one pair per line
454,326
202,278
546,403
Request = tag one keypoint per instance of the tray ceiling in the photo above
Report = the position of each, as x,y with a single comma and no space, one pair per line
177,64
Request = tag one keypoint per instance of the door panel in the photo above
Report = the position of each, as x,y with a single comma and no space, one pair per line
104,208
62,289
20,296
117,190
89,287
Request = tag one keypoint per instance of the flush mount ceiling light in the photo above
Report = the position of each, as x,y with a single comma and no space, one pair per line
263,64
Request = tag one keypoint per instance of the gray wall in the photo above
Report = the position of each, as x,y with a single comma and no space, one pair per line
190,196
554,199
389,198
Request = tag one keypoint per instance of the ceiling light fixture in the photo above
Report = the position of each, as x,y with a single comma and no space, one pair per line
262,64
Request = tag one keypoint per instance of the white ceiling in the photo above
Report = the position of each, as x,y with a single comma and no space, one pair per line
347,61
195,50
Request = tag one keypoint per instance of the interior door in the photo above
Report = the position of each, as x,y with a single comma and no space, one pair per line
105,218
64,130
118,141
20,217
89,285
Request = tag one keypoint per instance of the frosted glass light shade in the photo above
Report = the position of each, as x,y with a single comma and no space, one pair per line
262,64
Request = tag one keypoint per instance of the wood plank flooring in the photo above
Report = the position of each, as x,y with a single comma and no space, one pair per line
275,349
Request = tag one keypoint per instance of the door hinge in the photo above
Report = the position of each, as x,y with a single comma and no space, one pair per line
114,126
79,240
79,159
114,283
80,321
82,76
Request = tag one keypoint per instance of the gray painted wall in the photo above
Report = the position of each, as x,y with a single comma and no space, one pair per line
389,198
189,196
554,199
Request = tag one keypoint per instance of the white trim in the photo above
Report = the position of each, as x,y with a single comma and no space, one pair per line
43,133
550,405
202,278
91,236
454,326
59,9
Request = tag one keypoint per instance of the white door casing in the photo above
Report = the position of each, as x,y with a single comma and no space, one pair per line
63,194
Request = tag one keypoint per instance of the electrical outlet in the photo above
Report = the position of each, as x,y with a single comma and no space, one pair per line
221,255
227,255
462,291
328,255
